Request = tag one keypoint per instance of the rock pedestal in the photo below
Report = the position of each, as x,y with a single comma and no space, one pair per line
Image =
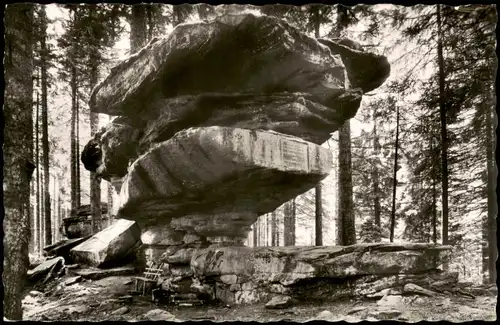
218,123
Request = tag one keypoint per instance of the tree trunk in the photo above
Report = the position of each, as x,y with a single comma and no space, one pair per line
318,212
18,152
95,181
273,228
45,132
110,202
77,154
375,173
346,227
254,231
394,179
73,161
292,221
267,230
346,231
444,137
138,28
37,163
289,223
434,197
492,199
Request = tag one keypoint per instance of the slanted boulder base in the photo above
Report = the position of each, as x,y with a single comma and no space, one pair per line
109,245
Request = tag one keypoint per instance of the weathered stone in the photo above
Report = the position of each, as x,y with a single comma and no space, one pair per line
228,278
109,152
203,289
45,267
72,280
287,113
280,302
181,271
250,296
161,234
267,55
288,265
62,247
189,238
159,315
390,300
357,309
326,315
367,71
235,287
248,286
120,311
35,293
413,288
385,313
96,274
395,283
182,256
214,167
126,299
383,293
108,245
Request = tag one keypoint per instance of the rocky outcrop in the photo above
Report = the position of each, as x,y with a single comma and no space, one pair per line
245,275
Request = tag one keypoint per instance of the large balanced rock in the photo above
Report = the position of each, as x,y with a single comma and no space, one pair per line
242,71
109,245
222,121
204,171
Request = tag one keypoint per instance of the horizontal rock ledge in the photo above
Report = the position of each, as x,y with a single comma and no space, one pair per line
288,265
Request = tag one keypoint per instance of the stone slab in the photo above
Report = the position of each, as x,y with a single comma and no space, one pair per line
108,245
62,247
45,267
96,274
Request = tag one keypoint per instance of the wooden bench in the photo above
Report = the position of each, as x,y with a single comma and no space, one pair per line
150,275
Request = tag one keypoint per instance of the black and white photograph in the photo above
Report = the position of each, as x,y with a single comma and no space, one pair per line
249,162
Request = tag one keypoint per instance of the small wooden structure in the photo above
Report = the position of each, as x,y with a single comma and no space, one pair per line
150,276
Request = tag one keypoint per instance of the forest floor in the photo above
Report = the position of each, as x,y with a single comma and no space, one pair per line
102,300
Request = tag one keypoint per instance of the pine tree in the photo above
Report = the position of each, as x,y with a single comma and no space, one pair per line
395,179
44,57
18,152
346,231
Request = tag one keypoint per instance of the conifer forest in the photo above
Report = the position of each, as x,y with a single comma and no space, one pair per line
97,95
